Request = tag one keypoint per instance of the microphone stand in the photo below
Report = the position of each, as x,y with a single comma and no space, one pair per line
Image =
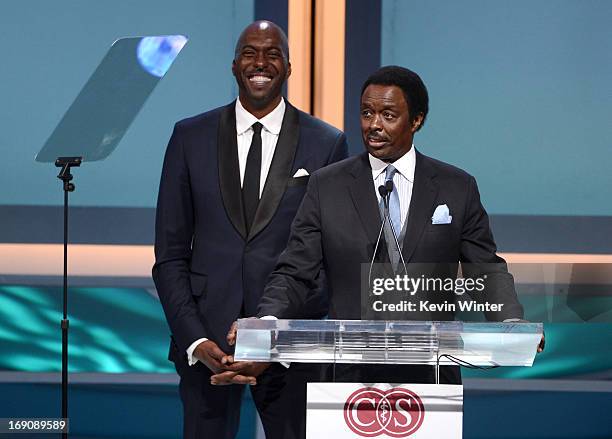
388,190
385,193
382,190
65,163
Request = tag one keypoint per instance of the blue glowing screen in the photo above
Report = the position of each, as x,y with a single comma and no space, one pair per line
156,54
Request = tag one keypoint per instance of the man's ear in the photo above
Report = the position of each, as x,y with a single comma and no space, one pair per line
234,67
417,122
288,70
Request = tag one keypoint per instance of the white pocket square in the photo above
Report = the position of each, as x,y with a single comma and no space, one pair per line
441,215
301,173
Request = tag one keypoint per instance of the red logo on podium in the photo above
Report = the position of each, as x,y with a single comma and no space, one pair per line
397,412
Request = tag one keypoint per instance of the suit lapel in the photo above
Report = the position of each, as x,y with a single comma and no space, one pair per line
280,170
424,194
229,171
364,198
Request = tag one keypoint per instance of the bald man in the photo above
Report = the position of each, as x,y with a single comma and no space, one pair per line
232,181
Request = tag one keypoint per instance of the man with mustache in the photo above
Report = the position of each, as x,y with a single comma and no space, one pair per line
232,181
437,216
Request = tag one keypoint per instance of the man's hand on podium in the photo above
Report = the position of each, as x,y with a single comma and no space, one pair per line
237,372
218,361
231,334
210,354
542,344
242,372
542,340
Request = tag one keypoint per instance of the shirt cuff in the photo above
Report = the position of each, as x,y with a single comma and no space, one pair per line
191,360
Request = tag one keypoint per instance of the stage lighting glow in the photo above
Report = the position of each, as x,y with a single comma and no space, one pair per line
156,54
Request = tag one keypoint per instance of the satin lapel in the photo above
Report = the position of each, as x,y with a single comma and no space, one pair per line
229,171
424,194
280,171
364,198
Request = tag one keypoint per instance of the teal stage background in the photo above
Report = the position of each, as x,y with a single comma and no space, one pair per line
520,96
51,48
123,330
520,93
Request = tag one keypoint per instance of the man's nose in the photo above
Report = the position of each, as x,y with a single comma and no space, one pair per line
375,123
260,59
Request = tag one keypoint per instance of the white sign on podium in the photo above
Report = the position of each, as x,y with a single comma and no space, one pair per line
355,410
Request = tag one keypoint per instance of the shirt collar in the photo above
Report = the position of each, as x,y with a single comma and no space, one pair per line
272,121
405,165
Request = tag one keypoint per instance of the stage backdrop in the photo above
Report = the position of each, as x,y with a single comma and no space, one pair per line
49,51
520,96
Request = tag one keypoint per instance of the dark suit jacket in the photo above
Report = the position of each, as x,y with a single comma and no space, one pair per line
338,224
208,271
337,227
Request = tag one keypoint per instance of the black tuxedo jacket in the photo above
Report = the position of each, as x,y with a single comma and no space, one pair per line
338,224
207,270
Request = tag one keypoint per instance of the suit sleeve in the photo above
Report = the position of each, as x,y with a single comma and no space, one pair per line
174,226
295,275
317,305
479,259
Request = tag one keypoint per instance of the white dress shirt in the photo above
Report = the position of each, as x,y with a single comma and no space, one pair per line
272,123
403,179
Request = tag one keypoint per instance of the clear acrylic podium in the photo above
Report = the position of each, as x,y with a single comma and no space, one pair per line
388,342
349,410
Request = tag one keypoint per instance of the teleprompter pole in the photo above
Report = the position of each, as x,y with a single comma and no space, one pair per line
65,163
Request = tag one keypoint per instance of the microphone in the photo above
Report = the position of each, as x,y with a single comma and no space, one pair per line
384,193
389,190
389,186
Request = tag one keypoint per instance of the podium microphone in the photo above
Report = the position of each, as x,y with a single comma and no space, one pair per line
388,190
384,193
